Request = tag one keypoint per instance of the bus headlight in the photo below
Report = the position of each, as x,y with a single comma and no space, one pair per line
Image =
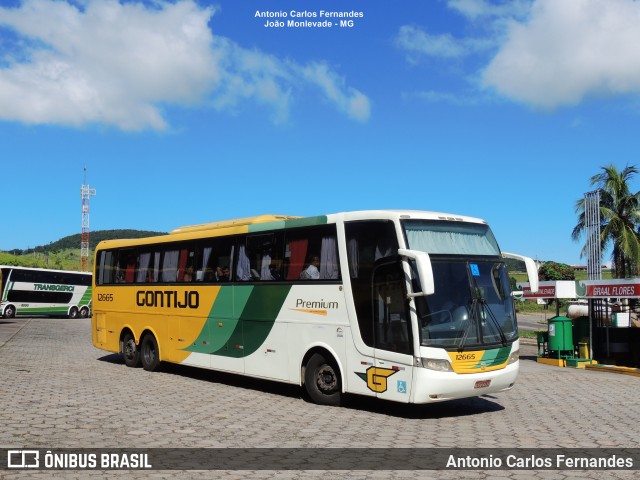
514,357
436,364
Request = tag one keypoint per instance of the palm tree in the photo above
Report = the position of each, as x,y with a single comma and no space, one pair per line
619,218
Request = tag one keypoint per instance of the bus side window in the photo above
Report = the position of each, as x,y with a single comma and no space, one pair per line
147,267
367,241
107,267
213,259
243,268
390,307
264,252
130,269
311,253
186,260
169,272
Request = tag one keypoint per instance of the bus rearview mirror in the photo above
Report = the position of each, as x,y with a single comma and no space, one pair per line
425,271
532,270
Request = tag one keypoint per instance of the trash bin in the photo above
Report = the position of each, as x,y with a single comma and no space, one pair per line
581,336
583,349
560,336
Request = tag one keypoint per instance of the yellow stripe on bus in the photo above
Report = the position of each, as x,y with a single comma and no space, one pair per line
306,310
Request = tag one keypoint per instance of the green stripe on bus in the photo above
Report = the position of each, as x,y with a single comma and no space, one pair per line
261,227
291,223
241,319
306,221
496,356
260,314
86,298
220,331
6,291
41,310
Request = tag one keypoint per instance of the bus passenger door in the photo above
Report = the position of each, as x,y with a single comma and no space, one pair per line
393,347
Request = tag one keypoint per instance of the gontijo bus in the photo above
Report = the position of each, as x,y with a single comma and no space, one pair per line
408,306
41,291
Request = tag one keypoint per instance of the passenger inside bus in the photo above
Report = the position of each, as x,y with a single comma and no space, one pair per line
312,272
188,275
222,274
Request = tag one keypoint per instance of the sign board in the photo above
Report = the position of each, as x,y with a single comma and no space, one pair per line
625,288
551,289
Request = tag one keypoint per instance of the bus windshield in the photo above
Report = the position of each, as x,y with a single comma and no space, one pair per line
457,238
472,303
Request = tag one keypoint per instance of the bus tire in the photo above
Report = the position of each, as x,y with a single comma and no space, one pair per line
130,351
9,311
73,313
322,380
149,353
84,312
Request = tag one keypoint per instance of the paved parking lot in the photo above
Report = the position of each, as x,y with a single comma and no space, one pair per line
58,391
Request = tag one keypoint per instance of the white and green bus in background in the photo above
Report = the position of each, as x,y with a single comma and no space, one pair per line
38,291
408,306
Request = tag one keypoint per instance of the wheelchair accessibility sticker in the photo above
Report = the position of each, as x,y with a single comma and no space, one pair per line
402,386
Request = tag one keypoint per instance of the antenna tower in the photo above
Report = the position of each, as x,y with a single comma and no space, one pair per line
592,227
86,194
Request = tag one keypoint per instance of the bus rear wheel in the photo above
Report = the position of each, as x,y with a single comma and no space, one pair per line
84,312
322,381
149,354
130,351
73,313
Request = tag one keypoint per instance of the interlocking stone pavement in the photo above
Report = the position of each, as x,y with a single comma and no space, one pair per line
58,391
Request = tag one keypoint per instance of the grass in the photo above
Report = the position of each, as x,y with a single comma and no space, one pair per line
61,260
529,333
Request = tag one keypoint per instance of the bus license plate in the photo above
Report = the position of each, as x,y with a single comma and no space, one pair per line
482,383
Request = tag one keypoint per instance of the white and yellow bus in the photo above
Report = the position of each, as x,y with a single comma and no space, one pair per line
41,291
408,306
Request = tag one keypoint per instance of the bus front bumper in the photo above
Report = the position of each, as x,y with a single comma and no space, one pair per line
433,386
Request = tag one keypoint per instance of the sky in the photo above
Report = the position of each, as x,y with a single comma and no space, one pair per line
190,111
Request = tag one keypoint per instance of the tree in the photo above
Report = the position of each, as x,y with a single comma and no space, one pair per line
556,271
619,218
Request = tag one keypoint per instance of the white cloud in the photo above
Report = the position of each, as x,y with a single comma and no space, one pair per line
251,74
119,64
350,101
415,40
432,96
111,63
569,50
477,9
490,16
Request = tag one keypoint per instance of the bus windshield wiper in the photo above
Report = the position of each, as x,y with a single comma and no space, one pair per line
470,321
487,309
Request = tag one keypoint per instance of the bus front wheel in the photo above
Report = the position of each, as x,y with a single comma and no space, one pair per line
322,381
130,351
149,354
10,311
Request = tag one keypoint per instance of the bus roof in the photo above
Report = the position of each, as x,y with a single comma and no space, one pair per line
37,269
243,225
232,223
409,214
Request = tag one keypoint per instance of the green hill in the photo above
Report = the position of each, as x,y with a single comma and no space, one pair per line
64,254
